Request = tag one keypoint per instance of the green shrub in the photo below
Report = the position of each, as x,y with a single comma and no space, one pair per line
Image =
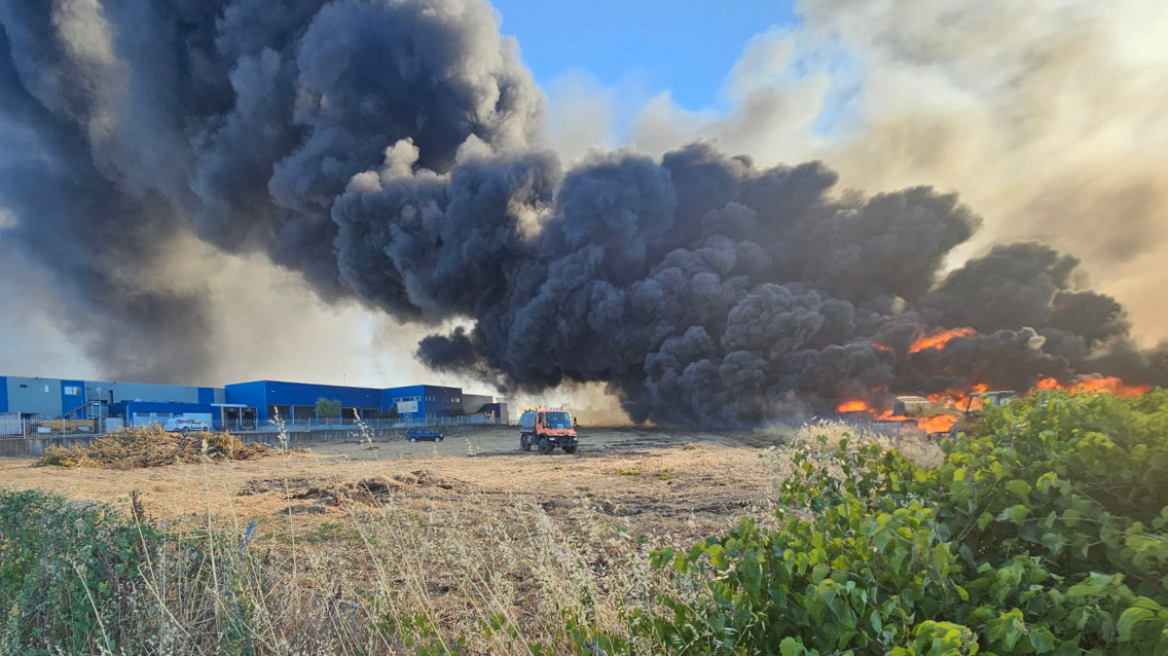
1046,533
66,569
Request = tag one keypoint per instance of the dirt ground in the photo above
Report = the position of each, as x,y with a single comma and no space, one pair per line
657,482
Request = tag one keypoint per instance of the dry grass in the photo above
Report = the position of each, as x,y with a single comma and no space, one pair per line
913,444
372,549
151,446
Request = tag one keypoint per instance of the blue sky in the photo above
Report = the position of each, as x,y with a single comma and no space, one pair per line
686,46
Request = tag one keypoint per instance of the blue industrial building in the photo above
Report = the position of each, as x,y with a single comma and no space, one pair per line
422,402
295,402
237,406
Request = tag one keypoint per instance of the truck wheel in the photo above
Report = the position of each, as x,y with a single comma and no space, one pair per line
524,443
545,446
570,448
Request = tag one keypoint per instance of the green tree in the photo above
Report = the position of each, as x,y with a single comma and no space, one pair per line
328,407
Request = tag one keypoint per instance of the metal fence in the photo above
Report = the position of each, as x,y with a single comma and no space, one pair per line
13,426
16,426
334,423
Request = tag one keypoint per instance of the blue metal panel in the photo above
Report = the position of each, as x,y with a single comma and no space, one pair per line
206,395
143,407
282,393
441,400
266,393
71,402
3,394
253,395
388,396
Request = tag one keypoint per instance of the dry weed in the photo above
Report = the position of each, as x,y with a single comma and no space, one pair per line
151,446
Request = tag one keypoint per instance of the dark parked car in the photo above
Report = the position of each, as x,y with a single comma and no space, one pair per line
423,434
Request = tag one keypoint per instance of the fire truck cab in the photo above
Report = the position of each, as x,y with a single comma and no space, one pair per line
547,429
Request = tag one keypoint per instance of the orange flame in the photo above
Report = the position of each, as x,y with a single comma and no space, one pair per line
961,402
1096,385
939,340
938,424
853,406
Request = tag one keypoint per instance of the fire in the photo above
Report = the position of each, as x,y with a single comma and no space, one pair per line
938,424
939,340
946,408
935,424
853,406
1096,385
858,405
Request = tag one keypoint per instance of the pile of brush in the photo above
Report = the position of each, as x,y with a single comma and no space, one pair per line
152,446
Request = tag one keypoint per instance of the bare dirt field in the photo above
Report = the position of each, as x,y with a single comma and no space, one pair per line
656,481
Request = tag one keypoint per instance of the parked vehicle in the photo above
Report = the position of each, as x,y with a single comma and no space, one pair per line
186,426
423,435
547,429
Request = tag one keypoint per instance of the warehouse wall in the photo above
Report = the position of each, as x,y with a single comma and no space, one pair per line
472,403
144,391
441,400
40,396
145,413
412,410
252,395
263,394
3,395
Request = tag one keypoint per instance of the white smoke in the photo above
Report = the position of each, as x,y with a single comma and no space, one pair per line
1046,115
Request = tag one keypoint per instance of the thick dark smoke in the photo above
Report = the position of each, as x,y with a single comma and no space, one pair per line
389,150
139,121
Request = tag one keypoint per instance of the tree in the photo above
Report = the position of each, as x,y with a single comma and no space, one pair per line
328,407
390,413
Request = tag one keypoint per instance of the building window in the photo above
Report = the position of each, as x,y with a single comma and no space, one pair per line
72,390
24,387
46,389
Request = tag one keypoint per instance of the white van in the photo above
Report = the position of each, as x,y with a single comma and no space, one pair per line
184,426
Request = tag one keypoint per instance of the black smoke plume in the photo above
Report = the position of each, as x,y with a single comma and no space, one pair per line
390,151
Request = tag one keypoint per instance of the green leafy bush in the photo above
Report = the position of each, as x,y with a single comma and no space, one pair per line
66,569
1046,533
